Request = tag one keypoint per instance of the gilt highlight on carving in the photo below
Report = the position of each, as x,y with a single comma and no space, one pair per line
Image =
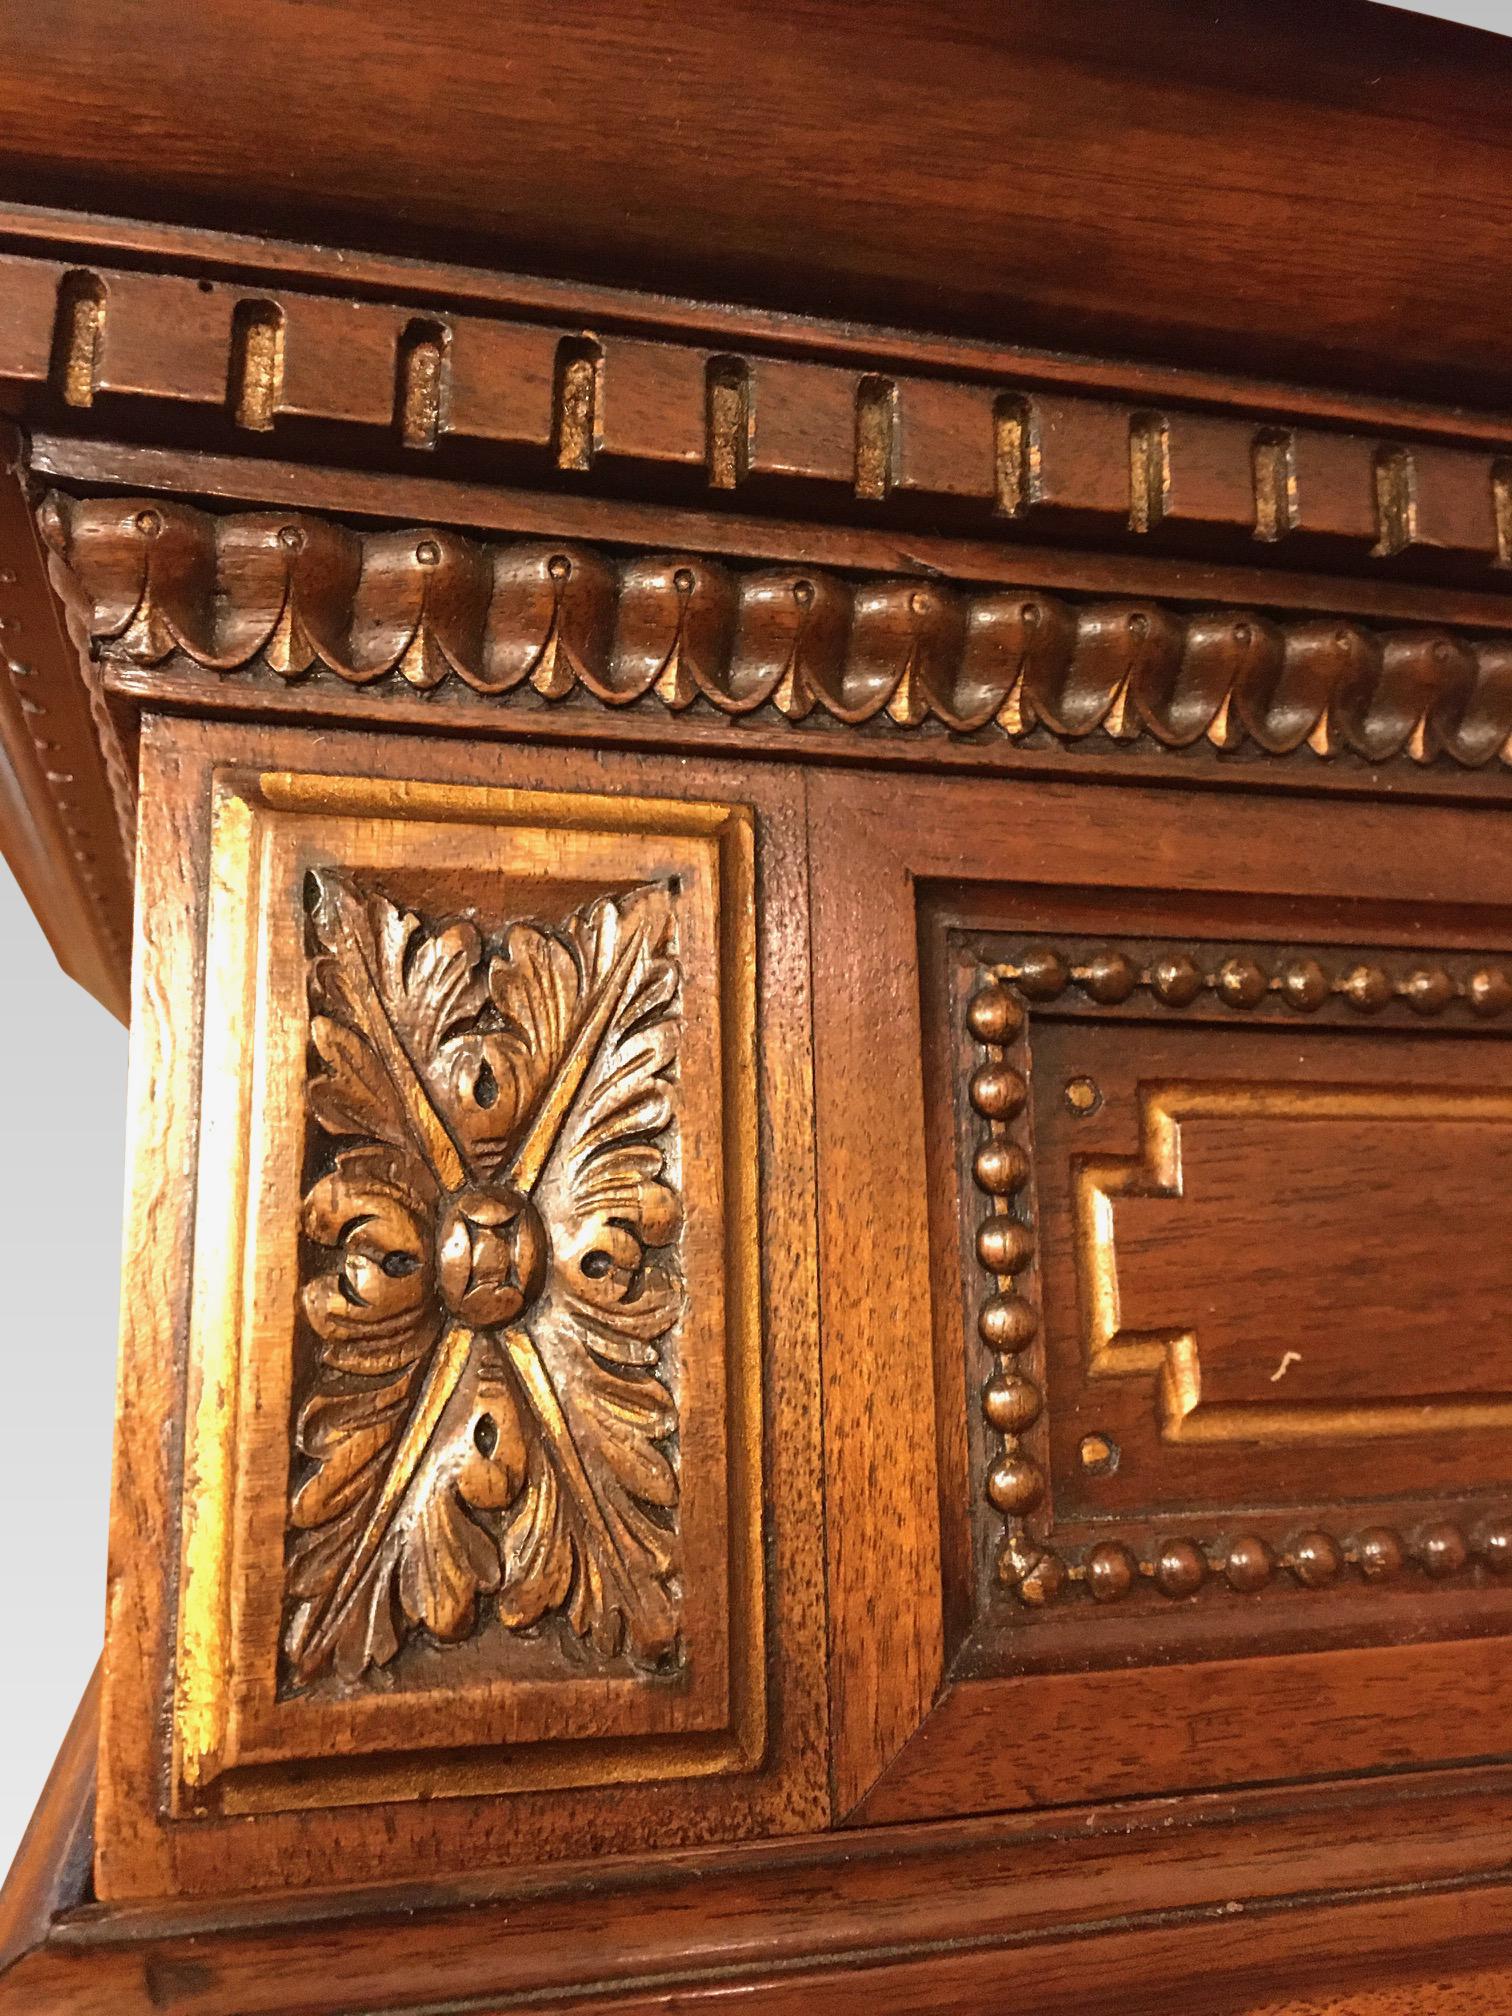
488,1431
293,597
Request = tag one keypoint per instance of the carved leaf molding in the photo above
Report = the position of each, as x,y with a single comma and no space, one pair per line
297,596
493,1275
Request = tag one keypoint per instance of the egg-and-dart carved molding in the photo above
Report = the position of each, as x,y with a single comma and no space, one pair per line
1179,979
305,598
568,404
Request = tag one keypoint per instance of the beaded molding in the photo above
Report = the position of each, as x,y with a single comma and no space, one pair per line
1240,980
1008,1316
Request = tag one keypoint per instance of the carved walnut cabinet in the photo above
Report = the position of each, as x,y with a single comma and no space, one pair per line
792,739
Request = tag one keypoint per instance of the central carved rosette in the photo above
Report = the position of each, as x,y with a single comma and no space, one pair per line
491,1255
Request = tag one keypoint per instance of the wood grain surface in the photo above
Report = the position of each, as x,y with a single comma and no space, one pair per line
1268,185
1097,1910
887,867
1041,477
777,1783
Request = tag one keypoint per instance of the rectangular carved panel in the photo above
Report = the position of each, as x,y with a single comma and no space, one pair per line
469,1359
1236,1216
1172,1401
472,1421
466,1508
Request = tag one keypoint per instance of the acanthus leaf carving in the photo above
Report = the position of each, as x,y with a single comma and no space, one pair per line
496,1225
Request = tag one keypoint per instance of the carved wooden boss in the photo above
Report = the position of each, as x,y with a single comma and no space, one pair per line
819,1285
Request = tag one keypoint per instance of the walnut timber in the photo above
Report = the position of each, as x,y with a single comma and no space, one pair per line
1115,179
987,451
70,795
471,1366
492,1292
1215,982
816,1280
928,890
303,598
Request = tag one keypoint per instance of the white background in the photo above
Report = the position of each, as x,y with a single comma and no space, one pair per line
62,1121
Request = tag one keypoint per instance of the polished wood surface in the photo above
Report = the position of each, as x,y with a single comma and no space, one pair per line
1078,1906
526,1405
67,790
51,1871
943,493
1268,187
820,1006
595,1751
893,868
444,372
171,593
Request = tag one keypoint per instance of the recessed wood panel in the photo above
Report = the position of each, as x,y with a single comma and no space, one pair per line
486,1072
1236,1216
1197,1088
468,1516
1298,1291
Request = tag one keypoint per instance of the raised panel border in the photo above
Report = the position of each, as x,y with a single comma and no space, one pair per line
1219,986
915,1737
1174,1358
235,1745
775,1786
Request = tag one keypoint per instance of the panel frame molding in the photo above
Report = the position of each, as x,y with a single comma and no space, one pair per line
764,1774
922,1727
235,1741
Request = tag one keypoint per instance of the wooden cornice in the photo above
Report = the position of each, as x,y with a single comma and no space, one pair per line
1269,185
605,396
734,435
294,603
67,794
